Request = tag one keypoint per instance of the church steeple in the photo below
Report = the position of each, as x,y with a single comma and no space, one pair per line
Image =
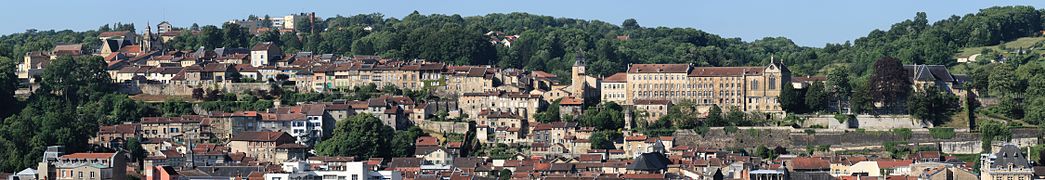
146,41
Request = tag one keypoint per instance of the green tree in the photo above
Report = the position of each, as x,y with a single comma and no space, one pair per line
234,36
604,139
816,97
1003,81
361,135
715,117
211,37
791,99
403,141
838,84
8,85
134,147
933,105
991,131
504,174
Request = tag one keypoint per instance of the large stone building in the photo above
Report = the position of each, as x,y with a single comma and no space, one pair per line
1007,163
750,89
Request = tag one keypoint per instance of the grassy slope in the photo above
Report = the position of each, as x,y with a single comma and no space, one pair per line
1024,42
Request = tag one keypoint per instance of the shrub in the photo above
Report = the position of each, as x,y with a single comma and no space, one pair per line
730,129
810,131
903,133
942,133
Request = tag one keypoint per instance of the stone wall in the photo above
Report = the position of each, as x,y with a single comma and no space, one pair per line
186,90
444,127
866,122
963,140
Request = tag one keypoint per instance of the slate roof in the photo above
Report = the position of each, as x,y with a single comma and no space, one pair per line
929,73
1010,154
649,162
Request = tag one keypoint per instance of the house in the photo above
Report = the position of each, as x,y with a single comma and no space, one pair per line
652,110
178,129
265,53
1008,163
267,146
114,136
614,88
923,76
82,165
433,155
570,106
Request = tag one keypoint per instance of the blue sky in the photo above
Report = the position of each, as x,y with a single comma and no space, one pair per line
807,22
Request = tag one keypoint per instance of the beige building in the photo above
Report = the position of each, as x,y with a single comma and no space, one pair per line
1009,163
613,88
651,110
523,104
268,146
178,129
100,166
750,89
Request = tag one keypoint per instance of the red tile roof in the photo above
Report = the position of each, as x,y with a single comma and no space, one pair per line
571,101
616,78
659,68
426,141
725,71
808,163
261,136
887,164
88,156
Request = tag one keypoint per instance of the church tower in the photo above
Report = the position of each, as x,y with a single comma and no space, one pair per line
578,74
146,40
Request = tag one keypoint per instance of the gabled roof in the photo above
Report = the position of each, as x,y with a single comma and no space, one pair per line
616,78
261,136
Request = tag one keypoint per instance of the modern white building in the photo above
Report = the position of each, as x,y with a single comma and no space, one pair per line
300,170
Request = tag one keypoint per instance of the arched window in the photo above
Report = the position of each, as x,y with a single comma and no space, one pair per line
772,82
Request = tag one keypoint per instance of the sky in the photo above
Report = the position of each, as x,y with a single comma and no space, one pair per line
807,22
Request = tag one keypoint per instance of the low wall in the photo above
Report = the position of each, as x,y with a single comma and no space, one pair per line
963,140
186,90
867,122
444,127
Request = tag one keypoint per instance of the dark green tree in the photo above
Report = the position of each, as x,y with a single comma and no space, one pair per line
361,135
816,97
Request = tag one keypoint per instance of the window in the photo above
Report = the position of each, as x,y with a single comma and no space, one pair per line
772,82
754,84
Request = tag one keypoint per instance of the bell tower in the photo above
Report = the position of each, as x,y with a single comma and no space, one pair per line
146,40
578,74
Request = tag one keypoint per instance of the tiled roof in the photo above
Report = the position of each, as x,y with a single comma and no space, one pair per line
569,100
261,136
725,71
88,156
651,102
659,68
616,78
807,163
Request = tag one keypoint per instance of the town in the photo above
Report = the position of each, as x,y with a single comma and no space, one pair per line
253,99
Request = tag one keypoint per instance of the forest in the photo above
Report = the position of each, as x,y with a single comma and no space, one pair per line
76,96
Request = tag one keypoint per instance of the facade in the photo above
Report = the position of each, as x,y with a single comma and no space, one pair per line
265,53
99,166
114,136
1007,163
178,129
525,105
750,89
267,146
614,88
652,110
